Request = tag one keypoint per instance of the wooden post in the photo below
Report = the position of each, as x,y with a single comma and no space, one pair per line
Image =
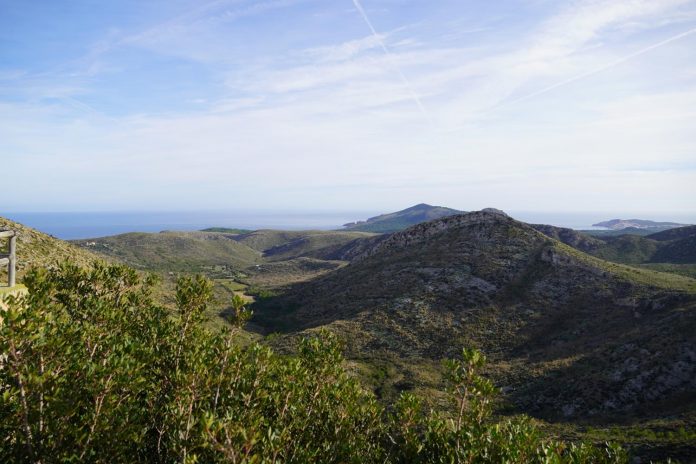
10,259
11,266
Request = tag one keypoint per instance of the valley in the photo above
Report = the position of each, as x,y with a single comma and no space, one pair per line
593,336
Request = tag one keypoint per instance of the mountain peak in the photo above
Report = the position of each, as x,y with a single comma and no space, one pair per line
494,210
421,206
400,220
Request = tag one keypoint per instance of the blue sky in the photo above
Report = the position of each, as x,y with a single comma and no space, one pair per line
348,105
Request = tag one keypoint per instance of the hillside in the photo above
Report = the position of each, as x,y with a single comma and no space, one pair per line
35,248
576,239
674,246
235,255
674,234
175,251
278,245
603,233
400,220
555,321
618,224
281,273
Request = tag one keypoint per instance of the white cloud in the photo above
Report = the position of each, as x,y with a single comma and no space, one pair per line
335,119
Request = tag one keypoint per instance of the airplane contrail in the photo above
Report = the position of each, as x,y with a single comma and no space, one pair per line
601,68
407,83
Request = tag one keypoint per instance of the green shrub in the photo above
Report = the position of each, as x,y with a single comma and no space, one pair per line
92,370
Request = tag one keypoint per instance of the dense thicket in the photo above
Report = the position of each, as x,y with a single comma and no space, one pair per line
92,370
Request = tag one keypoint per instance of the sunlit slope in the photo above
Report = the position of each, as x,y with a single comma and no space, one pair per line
673,246
36,248
175,251
279,245
557,321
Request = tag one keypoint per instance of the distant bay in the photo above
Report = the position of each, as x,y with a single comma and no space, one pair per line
80,225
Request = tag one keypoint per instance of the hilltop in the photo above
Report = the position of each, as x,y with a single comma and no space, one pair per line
618,224
676,246
400,220
674,234
175,251
37,249
557,322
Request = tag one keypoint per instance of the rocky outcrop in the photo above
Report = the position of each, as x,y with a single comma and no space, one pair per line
549,315
484,221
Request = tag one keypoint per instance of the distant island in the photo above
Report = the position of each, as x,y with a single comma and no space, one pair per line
620,224
400,220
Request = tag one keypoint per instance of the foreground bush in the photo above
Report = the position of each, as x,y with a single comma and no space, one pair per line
92,370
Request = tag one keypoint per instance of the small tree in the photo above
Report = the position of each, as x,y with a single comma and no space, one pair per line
240,313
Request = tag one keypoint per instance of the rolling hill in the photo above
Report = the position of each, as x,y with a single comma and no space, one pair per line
278,245
572,338
603,233
400,220
570,335
674,234
672,246
175,251
221,254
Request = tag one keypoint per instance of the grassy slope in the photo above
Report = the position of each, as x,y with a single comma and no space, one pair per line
35,248
673,246
636,275
627,249
277,274
175,251
687,270
283,244
226,258
674,234
602,233
313,244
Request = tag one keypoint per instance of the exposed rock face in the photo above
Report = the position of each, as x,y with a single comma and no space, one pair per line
494,210
426,230
552,319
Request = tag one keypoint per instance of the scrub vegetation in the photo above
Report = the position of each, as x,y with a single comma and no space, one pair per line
93,370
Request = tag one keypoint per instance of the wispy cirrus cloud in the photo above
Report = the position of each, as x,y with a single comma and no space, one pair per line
309,93
388,54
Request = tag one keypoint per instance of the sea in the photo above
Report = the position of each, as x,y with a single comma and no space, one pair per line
82,225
